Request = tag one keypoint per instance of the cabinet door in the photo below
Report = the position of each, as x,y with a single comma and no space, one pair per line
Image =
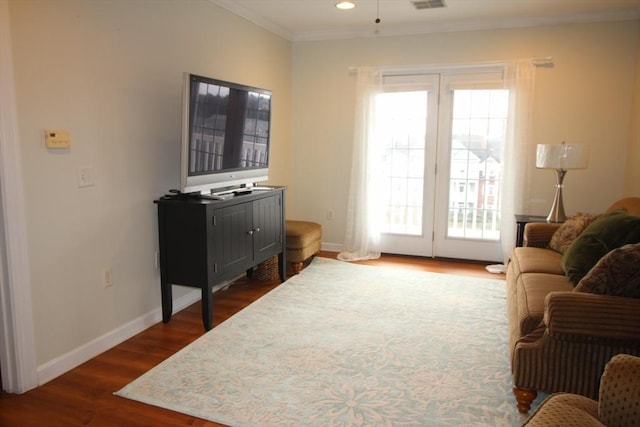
183,243
215,250
267,226
237,238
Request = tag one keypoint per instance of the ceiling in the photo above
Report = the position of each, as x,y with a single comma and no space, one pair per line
305,20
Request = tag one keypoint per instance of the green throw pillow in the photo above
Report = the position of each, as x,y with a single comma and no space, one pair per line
608,232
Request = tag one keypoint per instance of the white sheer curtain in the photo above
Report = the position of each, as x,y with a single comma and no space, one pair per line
362,237
519,78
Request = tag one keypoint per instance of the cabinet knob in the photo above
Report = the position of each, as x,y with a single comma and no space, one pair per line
250,232
257,230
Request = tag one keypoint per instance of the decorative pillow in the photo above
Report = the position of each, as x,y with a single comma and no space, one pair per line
617,273
569,230
609,231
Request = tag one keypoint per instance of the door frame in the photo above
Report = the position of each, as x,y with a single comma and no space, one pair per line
419,245
17,338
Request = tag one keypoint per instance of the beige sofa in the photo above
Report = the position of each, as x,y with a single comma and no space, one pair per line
618,402
561,339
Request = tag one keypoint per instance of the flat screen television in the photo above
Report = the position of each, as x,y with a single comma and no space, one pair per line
226,129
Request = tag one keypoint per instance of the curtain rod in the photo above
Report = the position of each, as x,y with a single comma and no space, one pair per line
546,61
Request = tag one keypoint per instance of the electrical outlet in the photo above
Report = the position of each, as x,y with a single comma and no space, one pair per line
330,215
107,277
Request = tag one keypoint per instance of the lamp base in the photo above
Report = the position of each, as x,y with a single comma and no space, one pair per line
557,209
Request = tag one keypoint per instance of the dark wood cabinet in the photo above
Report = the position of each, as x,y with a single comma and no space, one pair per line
205,242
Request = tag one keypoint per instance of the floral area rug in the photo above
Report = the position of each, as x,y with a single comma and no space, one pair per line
343,344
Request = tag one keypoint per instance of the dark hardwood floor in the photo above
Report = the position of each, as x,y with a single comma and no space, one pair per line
84,395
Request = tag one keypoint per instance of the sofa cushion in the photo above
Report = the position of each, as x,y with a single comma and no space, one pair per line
629,204
569,231
565,409
607,232
617,274
532,289
536,260
618,403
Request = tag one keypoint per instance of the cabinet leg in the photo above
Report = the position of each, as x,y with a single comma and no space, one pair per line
207,308
282,267
167,301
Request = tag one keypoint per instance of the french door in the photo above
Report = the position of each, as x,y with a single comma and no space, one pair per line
406,124
440,138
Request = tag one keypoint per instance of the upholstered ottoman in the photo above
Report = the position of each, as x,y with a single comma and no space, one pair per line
303,241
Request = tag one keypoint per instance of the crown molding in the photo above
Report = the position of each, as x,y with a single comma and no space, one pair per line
388,30
467,25
250,16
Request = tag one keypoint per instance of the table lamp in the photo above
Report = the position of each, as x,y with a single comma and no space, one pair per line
561,157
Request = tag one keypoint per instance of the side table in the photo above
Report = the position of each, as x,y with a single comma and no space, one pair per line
521,221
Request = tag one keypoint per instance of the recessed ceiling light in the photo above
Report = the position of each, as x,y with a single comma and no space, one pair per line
345,5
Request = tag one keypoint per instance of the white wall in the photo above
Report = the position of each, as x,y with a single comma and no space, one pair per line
632,178
110,72
584,98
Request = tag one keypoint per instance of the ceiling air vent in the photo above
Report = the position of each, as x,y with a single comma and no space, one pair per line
428,4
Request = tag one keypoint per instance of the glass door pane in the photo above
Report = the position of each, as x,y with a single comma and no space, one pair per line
401,127
478,126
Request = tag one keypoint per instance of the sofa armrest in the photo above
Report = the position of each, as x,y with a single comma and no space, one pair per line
618,403
538,234
581,316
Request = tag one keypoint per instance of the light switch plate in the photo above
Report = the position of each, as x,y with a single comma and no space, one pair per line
57,139
85,176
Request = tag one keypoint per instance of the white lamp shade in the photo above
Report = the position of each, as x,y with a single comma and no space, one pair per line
562,156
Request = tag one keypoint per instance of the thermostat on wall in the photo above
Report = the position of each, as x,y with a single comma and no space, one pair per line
57,139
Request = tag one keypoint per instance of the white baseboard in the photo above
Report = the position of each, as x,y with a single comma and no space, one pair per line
58,366
331,247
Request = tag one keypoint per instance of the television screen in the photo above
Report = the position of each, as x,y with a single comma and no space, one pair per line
226,134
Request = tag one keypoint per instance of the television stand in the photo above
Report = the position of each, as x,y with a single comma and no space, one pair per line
204,242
